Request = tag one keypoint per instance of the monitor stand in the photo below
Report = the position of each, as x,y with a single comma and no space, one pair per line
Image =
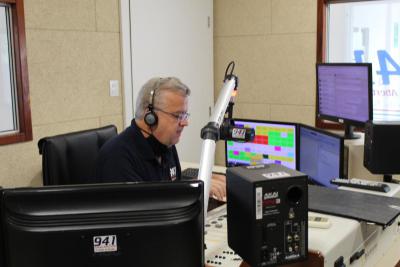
349,132
388,178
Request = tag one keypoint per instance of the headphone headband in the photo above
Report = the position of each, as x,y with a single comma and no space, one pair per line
151,117
151,100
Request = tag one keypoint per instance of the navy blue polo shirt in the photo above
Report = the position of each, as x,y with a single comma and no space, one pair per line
130,157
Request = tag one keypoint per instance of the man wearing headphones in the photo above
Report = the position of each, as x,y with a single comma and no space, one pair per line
145,151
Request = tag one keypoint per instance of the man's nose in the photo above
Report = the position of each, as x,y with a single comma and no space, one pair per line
184,123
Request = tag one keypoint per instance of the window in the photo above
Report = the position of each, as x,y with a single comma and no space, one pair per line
8,118
365,31
15,115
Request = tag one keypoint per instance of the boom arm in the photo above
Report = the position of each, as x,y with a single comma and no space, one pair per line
210,134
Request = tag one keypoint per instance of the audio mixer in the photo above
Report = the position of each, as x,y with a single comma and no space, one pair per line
217,252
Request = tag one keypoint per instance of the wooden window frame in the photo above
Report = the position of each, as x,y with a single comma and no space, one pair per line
21,70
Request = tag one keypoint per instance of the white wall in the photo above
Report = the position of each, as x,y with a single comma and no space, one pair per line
171,38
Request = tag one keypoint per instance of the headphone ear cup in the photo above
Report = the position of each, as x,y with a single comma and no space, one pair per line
151,118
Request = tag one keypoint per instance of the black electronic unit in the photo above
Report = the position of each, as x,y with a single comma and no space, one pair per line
267,214
382,147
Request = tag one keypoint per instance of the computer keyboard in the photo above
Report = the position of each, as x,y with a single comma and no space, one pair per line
193,173
362,184
190,173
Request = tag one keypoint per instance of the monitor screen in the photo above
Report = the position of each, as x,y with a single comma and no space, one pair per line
320,155
344,92
274,142
103,225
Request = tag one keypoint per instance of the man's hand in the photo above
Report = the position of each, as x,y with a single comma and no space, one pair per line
218,187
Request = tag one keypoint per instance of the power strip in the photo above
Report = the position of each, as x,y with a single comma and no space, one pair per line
218,252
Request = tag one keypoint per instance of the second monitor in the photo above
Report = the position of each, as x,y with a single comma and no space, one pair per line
321,155
315,152
274,142
344,94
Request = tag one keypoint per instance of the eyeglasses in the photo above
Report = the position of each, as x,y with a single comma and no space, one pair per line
182,116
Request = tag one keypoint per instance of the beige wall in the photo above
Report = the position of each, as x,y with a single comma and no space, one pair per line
273,43
73,49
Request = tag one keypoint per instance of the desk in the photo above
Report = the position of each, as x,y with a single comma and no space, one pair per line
343,238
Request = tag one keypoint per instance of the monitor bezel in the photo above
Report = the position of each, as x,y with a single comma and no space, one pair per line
270,122
35,215
321,131
338,119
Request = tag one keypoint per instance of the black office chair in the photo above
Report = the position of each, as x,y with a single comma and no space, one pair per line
70,158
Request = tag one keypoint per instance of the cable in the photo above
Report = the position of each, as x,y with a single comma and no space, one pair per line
226,76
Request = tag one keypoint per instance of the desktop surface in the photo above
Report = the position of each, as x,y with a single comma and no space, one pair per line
344,237
328,243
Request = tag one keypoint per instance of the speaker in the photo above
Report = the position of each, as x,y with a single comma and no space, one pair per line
382,147
267,214
151,118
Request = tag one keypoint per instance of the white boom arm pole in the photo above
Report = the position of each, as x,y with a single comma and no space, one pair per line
210,135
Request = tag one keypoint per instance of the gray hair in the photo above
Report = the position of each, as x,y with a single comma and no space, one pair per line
156,86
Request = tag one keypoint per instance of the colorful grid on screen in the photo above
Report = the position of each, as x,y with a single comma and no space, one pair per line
273,143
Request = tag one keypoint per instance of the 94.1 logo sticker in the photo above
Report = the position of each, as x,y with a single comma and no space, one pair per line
104,243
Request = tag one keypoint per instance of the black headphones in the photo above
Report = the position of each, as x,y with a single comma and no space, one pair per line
151,118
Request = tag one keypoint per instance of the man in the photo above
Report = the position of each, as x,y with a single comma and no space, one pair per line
146,151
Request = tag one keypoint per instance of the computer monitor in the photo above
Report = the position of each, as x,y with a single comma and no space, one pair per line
103,225
321,155
274,142
344,94
381,148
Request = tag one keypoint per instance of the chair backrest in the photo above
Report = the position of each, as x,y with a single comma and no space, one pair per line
70,158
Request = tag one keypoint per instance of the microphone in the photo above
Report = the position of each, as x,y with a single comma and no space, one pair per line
230,132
